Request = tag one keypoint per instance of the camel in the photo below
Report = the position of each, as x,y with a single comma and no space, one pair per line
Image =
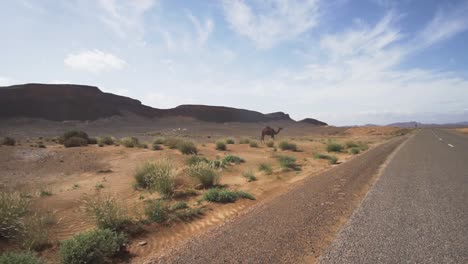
270,132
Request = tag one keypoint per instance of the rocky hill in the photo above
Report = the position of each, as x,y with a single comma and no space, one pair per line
314,122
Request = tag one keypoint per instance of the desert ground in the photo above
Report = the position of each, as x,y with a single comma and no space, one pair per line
60,182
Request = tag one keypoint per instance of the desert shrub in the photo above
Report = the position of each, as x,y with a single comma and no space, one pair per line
158,141
270,144
25,257
220,145
287,162
351,144
233,159
94,247
74,133
188,214
266,168
92,141
13,207
8,141
130,142
35,235
205,174
230,141
331,159
244,141
225,196
156,211
157,176
354,150
363,146
172,142
187,147
106,140
249,175
99,186
284,145
106,212
253,144
334,147
195,159
75,142
178,206
156,147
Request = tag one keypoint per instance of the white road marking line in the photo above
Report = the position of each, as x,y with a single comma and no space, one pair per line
450,145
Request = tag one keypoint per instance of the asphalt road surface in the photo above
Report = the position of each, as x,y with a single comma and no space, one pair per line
294,226
417,211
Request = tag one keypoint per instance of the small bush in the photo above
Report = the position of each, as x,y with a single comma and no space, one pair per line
331,159
99,186
157,211
106,212
35,235
106,140
44,193
230,141
97,246
253,144
158,141
363,146
354,150
233,159
188,214
130,142
8,141
195,159
92,141
157,176
187,148
220,145
270,144
72,134
75,142
26,257
266,168
13,207
249,175
244,141
178,206
156,147
287,162
284,145
351,144
207,176
334,147
172,142
225,196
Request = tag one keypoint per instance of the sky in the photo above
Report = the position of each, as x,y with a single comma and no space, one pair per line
341,61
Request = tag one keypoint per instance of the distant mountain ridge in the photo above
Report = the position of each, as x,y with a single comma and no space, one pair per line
414,124
59,102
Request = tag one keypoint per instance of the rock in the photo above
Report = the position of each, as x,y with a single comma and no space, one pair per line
142,243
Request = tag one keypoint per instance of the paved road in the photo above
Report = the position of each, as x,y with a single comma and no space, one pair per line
417,212
293,227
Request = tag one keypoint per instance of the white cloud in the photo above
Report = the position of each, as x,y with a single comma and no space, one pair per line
203,30
271,21
60,82
94,61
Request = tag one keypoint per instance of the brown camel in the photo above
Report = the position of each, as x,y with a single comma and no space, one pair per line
268,131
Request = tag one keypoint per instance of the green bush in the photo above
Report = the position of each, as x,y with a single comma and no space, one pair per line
249,175
230,141
351,144
334,147
94,247
157,211
172,142
284,145
158,141
178,206
13,207
266,168
25,257
354,150
220,145
130,142
244,141
233,159
188,214
8,141
35,235
204,172
106,140
106,212
225,196
74,133
195,159
187,148
331,159
253,144
287,162
157,176
270,144
75,142
92,141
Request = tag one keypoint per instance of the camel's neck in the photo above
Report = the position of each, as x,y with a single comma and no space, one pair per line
276,132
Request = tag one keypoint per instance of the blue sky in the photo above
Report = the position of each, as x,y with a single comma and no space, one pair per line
345,62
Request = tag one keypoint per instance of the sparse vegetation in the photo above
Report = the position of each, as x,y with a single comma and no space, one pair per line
8,141
26,257
249,175
75,142
130,142
195,159
98,246
172,142
106,212
351,144
156,147
158,141
265,168
287,162
331,159
178,206
253,144
13,207
106,140
92,141
188,214
187,148
157,176
218,195
334,147
233,159
230,141
157,211
220,145
354,150
35,235
284,145
44,193
270,144
204,172
99,186
244,141
74,134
